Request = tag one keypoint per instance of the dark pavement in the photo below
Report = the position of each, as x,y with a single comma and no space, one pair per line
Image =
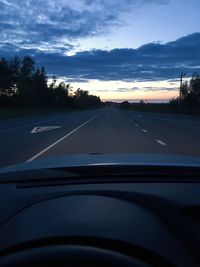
106,130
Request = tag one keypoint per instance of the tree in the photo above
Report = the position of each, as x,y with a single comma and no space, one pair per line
53,83
142,103
15,68
191,96
79,93
184,89
60,94
82,99
195,85
124,105
9,71
40,88
190,102
25,83
22,84
5,77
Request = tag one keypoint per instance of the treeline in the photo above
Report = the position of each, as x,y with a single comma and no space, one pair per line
148,107
189,99
187,102
24,85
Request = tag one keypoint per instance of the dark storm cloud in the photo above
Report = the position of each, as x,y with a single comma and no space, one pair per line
149,62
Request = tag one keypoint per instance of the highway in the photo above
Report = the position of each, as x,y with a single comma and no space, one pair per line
105,130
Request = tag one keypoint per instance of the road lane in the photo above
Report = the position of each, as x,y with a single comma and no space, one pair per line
110,132
60,140
106,130
180,133
18,145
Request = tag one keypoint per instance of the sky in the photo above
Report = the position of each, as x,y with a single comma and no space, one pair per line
116,49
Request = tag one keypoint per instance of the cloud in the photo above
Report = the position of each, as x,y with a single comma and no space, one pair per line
101,90
77,80
126,90
149,62
152,61
35,22
159,88
145,89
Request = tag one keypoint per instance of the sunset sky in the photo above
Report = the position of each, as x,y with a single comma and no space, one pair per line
116,49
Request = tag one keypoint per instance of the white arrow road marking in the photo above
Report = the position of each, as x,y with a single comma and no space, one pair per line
40,129
61,139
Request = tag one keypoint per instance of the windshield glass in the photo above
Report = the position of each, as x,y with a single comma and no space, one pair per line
89,77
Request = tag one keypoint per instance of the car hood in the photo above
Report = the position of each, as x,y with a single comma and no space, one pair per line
80,160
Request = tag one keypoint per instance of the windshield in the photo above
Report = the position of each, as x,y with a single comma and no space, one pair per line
99,77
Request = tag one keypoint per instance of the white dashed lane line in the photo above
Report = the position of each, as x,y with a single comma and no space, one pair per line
128,119
144,131
161,142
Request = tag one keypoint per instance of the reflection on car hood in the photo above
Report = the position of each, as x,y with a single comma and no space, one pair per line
80,160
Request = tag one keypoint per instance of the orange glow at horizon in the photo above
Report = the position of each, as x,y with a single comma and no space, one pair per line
134,91
137,96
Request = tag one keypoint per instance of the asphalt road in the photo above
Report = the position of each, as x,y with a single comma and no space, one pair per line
106,130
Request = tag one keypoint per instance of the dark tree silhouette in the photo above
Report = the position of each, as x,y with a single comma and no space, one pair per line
195,85
40,88
21,84
25,83
190,100
6,81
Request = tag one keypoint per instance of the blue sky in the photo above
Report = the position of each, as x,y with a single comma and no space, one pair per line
130,49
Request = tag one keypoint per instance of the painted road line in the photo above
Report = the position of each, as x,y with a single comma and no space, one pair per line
40,129
136,125
23,126
144,131
127,118
161,142
60,140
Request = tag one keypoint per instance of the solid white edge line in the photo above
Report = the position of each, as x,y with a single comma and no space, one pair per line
161,142
60,140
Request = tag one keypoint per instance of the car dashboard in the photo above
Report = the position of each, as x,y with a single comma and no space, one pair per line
96,224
